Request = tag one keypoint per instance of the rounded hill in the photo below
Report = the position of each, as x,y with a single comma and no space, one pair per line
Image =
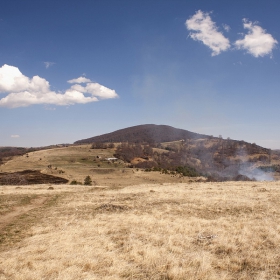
149,133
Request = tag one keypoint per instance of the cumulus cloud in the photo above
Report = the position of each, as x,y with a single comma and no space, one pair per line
79,80
48,64
14,136
257,42
95,89
207,32
23,91
12,80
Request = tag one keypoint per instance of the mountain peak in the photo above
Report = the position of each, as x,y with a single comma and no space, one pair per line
144,133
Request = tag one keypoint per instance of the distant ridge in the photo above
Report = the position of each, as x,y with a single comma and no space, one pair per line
144,133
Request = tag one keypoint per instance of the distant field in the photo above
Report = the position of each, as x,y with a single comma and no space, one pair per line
77,162
148,231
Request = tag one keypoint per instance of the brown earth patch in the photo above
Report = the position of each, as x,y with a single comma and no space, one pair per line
29,177
137,160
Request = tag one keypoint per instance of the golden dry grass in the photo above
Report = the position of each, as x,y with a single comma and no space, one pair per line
157,231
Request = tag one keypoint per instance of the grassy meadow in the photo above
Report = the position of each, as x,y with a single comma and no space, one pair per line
189,230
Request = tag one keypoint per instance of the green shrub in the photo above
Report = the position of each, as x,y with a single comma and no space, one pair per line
75,182
87,181
187,171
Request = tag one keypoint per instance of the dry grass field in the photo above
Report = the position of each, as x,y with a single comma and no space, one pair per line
77,162
146,231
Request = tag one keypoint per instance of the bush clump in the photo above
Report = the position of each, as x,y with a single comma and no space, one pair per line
75,182
87,181
187,171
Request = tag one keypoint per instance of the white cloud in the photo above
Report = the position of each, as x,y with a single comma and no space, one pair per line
100,91
95,89
48,64
12,80
257,42
15,136
79,80
226,27
207,32
23,91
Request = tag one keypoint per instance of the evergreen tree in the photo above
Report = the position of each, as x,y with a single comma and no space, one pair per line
88,181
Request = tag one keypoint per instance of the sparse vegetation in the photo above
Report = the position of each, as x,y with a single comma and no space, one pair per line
75,182
180,170
99,145
102,145
127,152
187,171
270,168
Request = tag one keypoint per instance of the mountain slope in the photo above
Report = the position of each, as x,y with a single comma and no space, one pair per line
145,133
221,158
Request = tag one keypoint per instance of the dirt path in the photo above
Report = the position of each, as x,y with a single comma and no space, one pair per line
20,210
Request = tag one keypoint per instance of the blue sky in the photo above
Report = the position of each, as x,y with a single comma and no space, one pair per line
75,69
